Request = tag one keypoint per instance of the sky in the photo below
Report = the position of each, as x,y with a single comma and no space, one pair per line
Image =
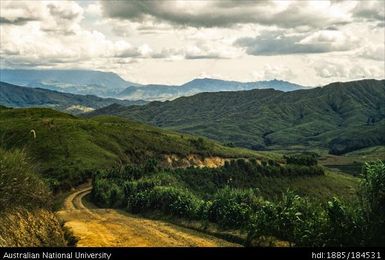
311,43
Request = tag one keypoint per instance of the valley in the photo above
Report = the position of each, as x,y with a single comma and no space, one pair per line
161,184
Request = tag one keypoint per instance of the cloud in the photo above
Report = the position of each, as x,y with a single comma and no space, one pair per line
19,13
270,72
173,41
93,9
15,21
276,43
210,50
64,17
218,13
341,70
374,52
168,53
370,10
51,16
122,49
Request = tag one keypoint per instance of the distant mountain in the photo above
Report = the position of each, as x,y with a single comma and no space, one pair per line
16,96
108,84
169,92
85,82
340,116
216,85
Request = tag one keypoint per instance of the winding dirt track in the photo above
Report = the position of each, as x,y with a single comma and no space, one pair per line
114,228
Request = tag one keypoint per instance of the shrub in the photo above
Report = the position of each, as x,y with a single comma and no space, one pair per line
307,159
108,192
372,194
100,192
169,200
345,225
232,208
199,144
292,219
19,184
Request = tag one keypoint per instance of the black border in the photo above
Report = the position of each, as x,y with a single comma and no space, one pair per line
232,253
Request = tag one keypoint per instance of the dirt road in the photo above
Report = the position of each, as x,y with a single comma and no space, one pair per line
110,227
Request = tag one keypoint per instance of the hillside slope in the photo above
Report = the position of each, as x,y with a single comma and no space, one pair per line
80,146
26,216
16,96
340,116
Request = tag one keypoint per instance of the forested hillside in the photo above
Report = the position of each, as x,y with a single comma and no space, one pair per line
341,117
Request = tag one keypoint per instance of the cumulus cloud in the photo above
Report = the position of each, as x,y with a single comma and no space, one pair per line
64,17
370,10
276,42
217,13
374,52
270,72
18,13
339,70
166,41
50,32
52,16
210,50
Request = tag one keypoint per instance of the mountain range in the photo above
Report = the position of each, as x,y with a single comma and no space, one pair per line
169,92
85,82
16,96
340,117
108,84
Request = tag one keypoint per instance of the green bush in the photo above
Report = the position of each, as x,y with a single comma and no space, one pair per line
372,194
232,208
293,219
107,193
305,223
345,225
307,159
169,200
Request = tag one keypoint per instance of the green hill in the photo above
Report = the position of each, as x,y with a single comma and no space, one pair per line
68,148
340,117
16,96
